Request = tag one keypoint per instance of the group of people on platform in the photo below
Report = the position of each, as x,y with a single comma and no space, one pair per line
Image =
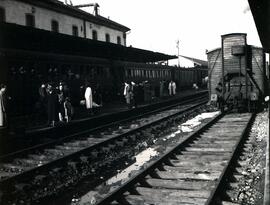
56,100
132,92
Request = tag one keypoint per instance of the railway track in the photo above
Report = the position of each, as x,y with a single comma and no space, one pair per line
193,172
17,167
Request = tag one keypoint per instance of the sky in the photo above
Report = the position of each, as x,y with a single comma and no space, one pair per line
156,25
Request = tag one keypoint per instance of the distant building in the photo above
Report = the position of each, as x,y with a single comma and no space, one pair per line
55,16
196,62
189,62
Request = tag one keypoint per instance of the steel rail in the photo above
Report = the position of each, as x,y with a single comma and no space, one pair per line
117,195
26,151
227,171
64,159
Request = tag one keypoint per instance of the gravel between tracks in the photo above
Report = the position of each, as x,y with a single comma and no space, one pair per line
251,185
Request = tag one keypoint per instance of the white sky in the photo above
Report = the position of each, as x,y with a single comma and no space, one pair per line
198,24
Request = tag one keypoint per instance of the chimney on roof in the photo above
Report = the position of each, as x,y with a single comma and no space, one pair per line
95,5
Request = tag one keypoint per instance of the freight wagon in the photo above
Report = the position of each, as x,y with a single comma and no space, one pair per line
236,73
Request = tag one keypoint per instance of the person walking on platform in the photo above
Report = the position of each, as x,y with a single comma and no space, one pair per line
3,106
88,98
52,105
172,88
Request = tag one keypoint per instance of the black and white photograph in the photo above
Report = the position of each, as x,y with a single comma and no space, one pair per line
121,102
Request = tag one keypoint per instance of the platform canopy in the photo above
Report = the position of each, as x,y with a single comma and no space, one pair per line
23,38
261,13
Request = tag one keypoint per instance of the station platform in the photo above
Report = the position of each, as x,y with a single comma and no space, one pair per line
105,114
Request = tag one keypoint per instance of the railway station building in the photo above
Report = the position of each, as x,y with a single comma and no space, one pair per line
55,16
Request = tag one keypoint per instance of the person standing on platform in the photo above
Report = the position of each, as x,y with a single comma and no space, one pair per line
61,99
88,98
135,92
127,92
52,105
42,93
69,111
41,105
172,88
3,106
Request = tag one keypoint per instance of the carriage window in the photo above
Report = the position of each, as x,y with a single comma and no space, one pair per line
2,15
55,26
94,35
75,31
129,72
30,20
107,38
118,40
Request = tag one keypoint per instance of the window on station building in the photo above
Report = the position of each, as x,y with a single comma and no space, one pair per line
75,30
94,35
30,20
55,26
2,15
119,40
107,36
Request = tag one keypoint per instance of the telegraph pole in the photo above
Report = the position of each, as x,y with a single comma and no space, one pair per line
177,46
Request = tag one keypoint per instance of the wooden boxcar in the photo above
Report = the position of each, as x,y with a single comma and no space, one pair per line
236,73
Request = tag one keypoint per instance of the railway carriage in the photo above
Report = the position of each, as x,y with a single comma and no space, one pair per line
237,73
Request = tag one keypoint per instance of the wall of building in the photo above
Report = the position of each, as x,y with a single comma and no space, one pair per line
15,12
102,31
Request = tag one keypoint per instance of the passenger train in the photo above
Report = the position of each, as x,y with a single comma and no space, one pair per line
30,57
